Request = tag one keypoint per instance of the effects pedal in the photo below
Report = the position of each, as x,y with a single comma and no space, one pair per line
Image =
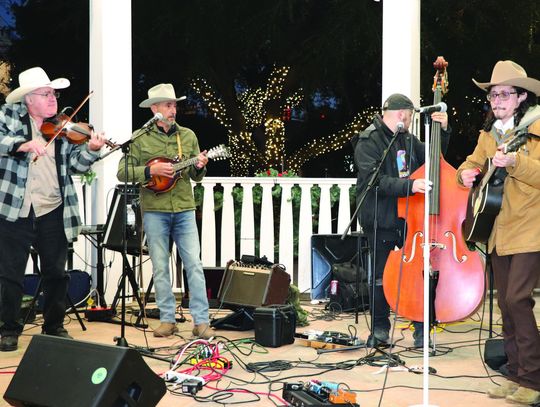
313,395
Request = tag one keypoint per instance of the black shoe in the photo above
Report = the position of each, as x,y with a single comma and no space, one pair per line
503,369
9,343
379,337
419,341
61,332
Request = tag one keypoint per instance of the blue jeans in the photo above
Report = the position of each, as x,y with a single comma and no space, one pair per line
160,227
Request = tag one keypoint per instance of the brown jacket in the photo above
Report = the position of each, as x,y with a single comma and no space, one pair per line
517,227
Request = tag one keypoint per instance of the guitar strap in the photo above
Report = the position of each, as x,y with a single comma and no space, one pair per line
515,131
179,143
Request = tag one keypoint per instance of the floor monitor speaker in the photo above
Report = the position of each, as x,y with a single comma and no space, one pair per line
63,372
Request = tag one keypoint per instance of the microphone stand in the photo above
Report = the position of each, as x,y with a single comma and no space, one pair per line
371,183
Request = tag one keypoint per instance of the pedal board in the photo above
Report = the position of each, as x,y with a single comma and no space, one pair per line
297,395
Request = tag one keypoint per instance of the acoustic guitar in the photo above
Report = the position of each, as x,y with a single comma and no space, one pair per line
485,197
159,184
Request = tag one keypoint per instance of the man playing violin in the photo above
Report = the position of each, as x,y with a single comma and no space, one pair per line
38,203
513,244
169,215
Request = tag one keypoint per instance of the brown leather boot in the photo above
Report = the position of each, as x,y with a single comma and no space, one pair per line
202,331
165,329
524,395
505,389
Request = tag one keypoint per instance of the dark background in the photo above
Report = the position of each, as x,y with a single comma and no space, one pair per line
332,46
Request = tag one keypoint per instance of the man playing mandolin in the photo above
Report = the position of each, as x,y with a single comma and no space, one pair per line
513,243
171,213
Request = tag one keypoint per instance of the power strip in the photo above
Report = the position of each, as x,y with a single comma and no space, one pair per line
176,377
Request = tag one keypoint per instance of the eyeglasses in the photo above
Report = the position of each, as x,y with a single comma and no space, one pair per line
504,95
47,95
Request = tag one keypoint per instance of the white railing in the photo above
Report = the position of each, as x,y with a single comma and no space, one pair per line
257,234
298,267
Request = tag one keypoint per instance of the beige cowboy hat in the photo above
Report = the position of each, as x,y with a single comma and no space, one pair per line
32,79
510,73
163,92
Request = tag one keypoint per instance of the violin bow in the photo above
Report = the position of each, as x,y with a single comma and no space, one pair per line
66,121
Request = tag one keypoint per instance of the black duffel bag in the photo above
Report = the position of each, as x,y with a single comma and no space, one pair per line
345,297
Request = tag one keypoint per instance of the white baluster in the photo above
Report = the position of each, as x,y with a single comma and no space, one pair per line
286,241
228,235
325,214
247,227
344,212
266,246
305,230
208,232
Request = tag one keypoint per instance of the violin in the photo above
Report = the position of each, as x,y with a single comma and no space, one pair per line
75,133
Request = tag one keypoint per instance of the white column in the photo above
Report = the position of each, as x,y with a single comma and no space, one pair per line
401,49
110,105
110,79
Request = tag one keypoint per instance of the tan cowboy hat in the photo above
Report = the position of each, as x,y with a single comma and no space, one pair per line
510,73
163,92
32,79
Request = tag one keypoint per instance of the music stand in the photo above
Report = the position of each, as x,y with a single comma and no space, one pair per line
125,237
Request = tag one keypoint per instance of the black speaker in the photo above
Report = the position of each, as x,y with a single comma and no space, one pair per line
113,235
94,376
213,277
80,284
254,285
327,250
494,354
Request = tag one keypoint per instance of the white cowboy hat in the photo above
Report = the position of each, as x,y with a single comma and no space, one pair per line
163,92
32,79
510,73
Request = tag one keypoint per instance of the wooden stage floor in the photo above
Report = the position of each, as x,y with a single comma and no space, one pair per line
461,377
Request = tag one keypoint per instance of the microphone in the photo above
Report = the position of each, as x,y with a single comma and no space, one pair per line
399,128
439,107
157,116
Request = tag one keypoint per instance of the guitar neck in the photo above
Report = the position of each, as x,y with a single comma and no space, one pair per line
487,176
184,164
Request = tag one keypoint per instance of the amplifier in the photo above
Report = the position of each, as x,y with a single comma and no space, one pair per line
253,285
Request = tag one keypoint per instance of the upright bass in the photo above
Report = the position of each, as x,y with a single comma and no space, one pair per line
456,273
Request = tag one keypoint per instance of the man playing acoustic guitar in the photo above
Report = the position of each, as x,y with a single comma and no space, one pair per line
171,213
514,244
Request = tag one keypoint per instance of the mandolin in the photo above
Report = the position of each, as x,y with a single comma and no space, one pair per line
160,184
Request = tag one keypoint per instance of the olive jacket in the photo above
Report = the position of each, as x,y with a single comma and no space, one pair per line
151,143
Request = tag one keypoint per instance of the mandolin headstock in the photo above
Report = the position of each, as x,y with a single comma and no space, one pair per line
219,152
